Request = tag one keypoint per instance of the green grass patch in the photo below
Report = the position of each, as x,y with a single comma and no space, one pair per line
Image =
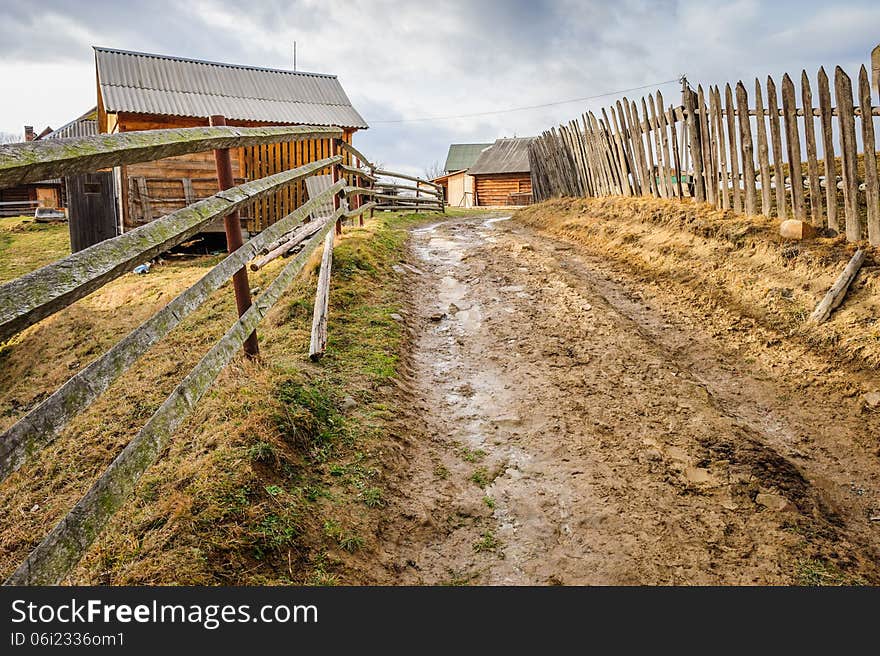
26,245
488,543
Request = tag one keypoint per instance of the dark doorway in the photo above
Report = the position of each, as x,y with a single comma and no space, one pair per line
91,209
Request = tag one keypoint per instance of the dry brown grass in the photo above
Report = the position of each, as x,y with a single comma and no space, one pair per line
724,259
271,481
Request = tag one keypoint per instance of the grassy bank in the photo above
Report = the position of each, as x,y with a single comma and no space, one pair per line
278,476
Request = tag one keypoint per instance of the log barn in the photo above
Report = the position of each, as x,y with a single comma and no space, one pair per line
458,185
143,91
502,174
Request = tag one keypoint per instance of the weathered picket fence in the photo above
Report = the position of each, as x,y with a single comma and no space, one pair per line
27,300
720,147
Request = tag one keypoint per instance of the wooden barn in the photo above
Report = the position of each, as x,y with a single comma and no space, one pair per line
502,175
23,199
141,91
457,183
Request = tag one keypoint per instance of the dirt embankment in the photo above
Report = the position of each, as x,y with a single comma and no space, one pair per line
729,261
596,410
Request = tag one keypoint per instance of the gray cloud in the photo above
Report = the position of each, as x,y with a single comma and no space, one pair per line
408,60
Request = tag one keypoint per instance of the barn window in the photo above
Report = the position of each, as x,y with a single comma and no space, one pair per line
92,187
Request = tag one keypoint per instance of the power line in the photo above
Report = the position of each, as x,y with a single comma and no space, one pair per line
525,108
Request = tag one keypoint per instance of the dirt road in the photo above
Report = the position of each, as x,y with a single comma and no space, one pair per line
580,430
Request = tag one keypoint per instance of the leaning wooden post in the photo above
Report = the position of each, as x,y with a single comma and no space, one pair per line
334,151
838,290
318,342
234,239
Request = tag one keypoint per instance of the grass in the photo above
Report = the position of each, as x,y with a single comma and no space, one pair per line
820,572
26,245
244,491
488,543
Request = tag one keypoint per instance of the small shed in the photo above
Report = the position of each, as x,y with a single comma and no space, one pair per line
144,91
458,185
502,174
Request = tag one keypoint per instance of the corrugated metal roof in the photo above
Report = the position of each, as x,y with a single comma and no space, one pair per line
505,156
84,126
462,156
158,84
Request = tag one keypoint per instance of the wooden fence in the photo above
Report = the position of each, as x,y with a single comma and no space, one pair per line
27,300
721,147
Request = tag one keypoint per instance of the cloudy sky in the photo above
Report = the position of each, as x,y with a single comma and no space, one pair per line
403,61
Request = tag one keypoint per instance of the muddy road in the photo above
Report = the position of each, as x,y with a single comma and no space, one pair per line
572,428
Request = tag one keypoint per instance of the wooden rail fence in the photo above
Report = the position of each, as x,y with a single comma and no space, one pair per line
721,147
32,297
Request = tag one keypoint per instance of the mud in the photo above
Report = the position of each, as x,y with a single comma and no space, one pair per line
572,425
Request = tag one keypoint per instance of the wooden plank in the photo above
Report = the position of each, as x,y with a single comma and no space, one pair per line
38,294
629,149
733,148
695,148
776,145
793,144
676,156
583,133
812,159
403,176
622,160
42,424
710,172
633,122
53,158
747,145
188,193
829,167
872,191
763,151
663,130
645,138
603,150
848,149
144,196
68,541
354,152
835,295
318,341
721,145
875,70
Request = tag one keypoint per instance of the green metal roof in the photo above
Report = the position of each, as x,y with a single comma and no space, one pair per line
462,156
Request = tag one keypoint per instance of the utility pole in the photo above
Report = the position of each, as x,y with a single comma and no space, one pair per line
294,56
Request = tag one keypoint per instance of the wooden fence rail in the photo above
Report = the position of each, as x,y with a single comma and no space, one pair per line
751,155
36,295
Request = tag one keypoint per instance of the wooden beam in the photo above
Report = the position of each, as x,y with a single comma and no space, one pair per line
835,295
297,236
392,174
42,424
38,294
358,171
56,158
354,152
68,541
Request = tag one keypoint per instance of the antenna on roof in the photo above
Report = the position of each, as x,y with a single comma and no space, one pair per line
294,56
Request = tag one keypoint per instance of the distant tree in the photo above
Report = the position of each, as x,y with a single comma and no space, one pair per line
9,137
434,170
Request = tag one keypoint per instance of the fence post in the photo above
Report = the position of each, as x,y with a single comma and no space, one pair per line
334,151
234,239
875,69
